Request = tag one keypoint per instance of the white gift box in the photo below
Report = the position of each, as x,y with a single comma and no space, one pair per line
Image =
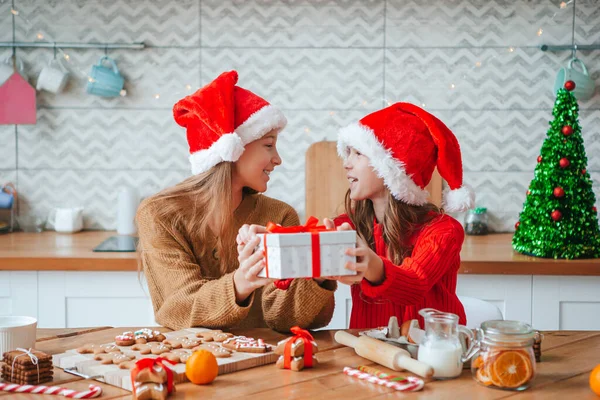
289,255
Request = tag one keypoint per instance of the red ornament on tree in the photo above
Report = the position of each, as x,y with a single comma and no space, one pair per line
556,215
558,192
539,159
569,85
564,163
594,209
583,171
517,225
566,130
528,192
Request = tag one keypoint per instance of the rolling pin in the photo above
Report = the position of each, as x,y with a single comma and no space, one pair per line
383,353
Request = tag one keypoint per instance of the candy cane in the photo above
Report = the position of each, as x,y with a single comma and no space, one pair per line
413,384
94,390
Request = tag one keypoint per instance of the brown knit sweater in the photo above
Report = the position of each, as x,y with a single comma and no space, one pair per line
188,289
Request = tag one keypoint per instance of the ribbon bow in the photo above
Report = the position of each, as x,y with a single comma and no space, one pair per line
306,337
149,363
32,357
311,226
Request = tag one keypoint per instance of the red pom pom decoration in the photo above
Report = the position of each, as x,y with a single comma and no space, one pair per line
517,224
558,192
564,163
539,159
569,85
556,215
567,130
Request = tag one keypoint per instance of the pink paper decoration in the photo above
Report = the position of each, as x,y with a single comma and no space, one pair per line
17,101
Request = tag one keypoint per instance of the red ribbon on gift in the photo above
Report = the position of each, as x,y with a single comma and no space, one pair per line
311,226
306,337
149,363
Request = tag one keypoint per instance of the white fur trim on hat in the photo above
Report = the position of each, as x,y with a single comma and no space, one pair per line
260,123
228,147
385,165
461,199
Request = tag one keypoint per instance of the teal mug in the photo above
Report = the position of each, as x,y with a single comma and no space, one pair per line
584,84
105,81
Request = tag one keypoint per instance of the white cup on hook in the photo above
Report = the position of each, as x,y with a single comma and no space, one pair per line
53,77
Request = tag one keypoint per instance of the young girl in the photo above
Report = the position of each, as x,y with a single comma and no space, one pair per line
187,232
408,253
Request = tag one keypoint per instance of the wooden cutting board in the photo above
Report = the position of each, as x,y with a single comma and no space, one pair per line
113,375
326,182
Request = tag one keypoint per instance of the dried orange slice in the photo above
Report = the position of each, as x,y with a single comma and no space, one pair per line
483,377
478,362
511,369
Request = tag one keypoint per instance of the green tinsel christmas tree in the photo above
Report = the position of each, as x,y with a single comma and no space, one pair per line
559,219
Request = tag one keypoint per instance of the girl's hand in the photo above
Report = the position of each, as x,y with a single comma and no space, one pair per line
245,278
368,265
330,225
247,232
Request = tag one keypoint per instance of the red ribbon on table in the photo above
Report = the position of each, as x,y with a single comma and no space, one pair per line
149,363
306,337
311,226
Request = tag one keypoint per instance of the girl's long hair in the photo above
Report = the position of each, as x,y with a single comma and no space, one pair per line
400,221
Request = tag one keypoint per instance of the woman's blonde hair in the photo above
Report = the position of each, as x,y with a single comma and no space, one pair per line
400,221
199,203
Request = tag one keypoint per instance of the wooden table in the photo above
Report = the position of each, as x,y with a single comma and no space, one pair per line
51,251
567,359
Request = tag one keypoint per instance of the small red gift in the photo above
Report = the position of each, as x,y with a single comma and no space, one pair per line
297,352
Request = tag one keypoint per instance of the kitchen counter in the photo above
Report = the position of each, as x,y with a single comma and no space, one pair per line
50,251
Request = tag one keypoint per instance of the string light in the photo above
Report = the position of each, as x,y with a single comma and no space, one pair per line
40,36
307,130
478,64
123,93
157,96
540,31
188,87
14,12
332,113
452,86
563,5
511,49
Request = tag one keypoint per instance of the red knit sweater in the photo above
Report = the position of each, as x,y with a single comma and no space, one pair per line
425,279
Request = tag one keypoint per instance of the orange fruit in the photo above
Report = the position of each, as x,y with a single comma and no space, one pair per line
511,369
595,380
201,367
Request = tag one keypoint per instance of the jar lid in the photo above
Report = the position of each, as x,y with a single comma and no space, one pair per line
479,210
510,332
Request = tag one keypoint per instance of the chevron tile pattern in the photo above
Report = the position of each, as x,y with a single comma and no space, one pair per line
475,64
329,23
155,22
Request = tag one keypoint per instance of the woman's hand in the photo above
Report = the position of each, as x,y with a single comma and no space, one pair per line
245,278
368,264
247,232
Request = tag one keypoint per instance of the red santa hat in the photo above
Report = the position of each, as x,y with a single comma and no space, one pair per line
221,119
404,144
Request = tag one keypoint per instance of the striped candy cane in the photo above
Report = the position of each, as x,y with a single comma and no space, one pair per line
94,391
412,385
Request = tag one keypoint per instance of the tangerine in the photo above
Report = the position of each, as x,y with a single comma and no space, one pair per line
595,380
201,368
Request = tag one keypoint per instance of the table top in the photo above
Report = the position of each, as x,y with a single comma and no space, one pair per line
567,359
51,251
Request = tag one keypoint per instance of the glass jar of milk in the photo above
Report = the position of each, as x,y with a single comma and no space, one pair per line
505,357
441,346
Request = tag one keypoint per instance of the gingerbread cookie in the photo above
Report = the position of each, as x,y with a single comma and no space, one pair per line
246,345
217,350
98,349
297,349
182,342
177,356
125,339
113,358
146,335
150,391
127,364
156,374
152,347
297,363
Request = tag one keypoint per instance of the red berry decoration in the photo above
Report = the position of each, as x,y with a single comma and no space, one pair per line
528,192
539,159
567,130
517,224
569,85
583,171
556,215
594,209
558,192
564,163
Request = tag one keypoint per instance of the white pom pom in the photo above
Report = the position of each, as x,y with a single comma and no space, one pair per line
229,147
461,199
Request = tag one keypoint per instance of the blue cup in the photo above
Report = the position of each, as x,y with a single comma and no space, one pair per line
6,199
105,81
584,83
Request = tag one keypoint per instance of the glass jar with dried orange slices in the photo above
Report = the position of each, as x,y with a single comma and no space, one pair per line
505,358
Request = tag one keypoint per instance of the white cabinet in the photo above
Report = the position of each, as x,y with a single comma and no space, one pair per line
18,293
566,302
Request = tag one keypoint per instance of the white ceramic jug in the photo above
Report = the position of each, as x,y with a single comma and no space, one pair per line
67,220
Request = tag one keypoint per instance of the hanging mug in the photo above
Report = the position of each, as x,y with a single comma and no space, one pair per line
105,81
7,196
53,77
7,69
584,84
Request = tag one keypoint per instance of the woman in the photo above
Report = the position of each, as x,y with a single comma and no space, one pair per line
187,232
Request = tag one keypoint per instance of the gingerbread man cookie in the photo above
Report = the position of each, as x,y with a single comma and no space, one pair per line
127,364
182,342
296,364
152,347
146,335
113,358
177,356
217,350
297,349
98,349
